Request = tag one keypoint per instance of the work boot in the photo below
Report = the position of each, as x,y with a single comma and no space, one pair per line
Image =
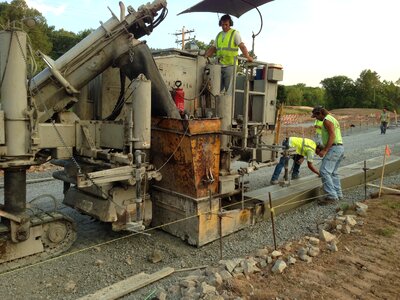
327,201
274,182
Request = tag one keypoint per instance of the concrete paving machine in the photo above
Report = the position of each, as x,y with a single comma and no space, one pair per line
143,139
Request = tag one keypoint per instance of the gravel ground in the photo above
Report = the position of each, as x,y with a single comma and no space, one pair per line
92,263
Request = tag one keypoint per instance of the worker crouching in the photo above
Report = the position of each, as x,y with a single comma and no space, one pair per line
304,148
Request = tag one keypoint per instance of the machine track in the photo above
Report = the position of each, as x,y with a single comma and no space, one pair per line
58,233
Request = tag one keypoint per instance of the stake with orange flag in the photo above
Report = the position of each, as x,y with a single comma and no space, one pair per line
387,154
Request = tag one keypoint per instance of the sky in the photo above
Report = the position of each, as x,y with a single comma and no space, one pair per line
311,39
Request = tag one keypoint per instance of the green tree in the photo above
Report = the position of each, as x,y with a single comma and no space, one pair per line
390,94
339,92
63,40
368,89
16,12
294,95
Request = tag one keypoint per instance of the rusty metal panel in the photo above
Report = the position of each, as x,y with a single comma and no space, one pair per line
188,153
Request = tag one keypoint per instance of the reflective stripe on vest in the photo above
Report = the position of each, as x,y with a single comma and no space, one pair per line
226,48
338,134
302,145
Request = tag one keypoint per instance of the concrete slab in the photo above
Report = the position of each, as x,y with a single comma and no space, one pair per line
306,189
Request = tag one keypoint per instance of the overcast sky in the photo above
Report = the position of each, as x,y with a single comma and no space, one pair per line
311,39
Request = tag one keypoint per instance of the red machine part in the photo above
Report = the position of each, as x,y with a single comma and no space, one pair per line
179,96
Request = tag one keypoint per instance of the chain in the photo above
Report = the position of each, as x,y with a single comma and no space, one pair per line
131,52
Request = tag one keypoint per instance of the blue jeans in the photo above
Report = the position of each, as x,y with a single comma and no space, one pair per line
226,79
383,127
328,171
281,165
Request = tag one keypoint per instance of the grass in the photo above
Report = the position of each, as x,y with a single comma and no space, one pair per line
386,232
395,205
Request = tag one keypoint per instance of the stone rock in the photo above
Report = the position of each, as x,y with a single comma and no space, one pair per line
155,256
215,279
99,262
261,253
238,270
70,286
276,254
361,205
332,246
355,230
326,236
340,219
161,295
187,283
174,291
212,297
346,229
361,212
305,258
229,264
128,261
189,291
279,266
301,251
288,246
206,288
350,221
291,260
225,274
249,267
313,241
339,227
262,264
269,260
313,251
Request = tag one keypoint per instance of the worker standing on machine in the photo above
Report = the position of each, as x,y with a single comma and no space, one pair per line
304,148
226,44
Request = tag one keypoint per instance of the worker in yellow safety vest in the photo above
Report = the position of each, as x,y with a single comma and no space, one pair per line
332,154
318,131
226,45
304,148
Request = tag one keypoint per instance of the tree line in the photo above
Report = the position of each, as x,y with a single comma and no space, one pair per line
367,91
340,91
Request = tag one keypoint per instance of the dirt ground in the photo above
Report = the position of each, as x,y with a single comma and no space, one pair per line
366,266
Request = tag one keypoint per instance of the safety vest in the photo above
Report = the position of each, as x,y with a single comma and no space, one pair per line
384,116
226,48
302,145
320,124
338,134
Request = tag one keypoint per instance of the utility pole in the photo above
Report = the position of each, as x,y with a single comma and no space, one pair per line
183,38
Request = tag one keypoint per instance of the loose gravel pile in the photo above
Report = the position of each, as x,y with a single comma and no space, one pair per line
93,264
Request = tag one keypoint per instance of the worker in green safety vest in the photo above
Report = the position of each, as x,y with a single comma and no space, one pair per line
304,148
226,46
332,154
318,131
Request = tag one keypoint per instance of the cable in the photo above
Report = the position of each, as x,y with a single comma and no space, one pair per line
176,149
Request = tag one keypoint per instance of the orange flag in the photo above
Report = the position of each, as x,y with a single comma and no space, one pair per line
387,151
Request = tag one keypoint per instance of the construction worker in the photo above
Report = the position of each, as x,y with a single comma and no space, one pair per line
226,45
304,148
332,153
318,131
384,120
